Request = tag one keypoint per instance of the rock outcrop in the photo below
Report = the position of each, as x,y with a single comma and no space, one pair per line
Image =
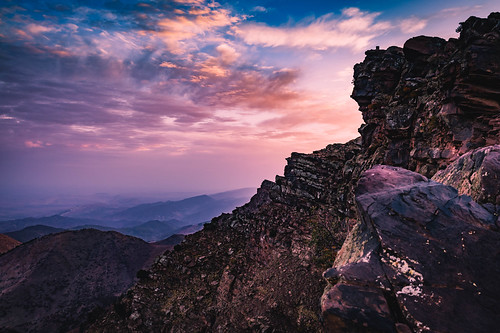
259,268
51,283
433,100
423,259
476,174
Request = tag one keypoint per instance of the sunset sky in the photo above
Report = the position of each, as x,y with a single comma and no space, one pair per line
186,95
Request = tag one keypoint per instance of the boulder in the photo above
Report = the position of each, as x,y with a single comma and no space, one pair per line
423,259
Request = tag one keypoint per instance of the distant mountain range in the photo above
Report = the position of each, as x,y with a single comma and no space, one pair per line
150,222
201,208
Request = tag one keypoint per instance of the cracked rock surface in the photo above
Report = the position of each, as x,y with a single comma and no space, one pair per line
423,259
476,173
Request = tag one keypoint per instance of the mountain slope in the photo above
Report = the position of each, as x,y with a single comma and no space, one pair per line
259,268
51,283
7,243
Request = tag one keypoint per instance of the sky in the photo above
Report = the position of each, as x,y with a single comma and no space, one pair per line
186,95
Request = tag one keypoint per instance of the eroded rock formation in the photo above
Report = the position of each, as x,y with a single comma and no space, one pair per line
476,174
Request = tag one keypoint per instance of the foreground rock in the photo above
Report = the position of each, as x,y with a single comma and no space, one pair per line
51,283
423,259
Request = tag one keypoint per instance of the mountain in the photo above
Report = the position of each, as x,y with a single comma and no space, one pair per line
153,230
52,283
190,229
166,210
171,241
149,231
7,243
192,210
32,232
151,222
261,267
55,221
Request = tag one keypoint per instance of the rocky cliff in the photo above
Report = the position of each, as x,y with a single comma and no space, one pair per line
260,268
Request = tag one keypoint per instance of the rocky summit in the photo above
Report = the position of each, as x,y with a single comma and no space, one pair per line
417,251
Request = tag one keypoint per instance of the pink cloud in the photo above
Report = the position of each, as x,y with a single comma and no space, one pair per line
36,29
34,144
227,54
412,25
194,26
353,30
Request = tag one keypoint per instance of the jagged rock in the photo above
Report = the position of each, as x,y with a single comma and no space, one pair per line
428,103
423,47
423,258
476,174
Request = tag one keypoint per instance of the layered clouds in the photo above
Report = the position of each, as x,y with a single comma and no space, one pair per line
353,29
174,83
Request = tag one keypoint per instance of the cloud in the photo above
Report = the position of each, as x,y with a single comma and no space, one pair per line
168,80
36,144
188,30
354,29
227,54
168,64
259,9
412,25
36,29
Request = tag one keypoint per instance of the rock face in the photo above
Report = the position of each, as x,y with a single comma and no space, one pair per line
259,268
476,174
423,259
432,100
7,243
51,283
